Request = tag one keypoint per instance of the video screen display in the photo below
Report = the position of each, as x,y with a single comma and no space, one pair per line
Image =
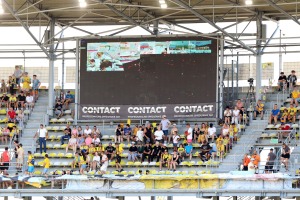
134,75
111,56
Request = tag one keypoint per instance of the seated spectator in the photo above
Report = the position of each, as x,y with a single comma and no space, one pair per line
174,161
233,133
95,162
235,115
87,130
226,143
140,151
74,131
243,116
13,101
220,147
21,100
20,118
225,129
281,81
203,133
140,134
292,79
227,115
284,116
104,162
196,132
292,112
205,149
274,114
132,152
251,166
165,160
96,140
158,134
175,140
11,115
11,83
110,151
3,88
119,132
29,101
67,135
214,150
61,97
80,141
259,109
58,109
88,140
96,131
4,100
188,151
246,161
72,143
76,161
181,152
156,152
295,96
68,99
5,135
285,128
84,160
147,152
239,104
212,132
127,132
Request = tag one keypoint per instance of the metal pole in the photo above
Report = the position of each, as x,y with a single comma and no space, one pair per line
221,77
51,71
63,67
232,85
76,82
258,55
237,75
280,54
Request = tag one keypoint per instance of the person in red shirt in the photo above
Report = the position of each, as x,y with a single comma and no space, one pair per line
4,162
11,115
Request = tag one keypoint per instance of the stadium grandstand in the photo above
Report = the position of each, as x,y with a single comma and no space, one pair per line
149,99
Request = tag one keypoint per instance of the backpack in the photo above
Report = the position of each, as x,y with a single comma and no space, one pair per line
32,161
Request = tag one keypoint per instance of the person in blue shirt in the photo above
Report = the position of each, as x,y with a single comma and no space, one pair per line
127,132
189,150
68,100
274,115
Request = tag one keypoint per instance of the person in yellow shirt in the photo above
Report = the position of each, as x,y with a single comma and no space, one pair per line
259,109
226,143
119,151
165,159
13,101
180,151
30,163
26,80
220,147
292,112
99,148
295,96
284,116
46,164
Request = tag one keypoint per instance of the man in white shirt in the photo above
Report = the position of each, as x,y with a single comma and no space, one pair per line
212,132
87,130
29,101
189,133
165,123
96,140
43,134
159,135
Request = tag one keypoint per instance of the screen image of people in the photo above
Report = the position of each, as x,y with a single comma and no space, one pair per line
112,56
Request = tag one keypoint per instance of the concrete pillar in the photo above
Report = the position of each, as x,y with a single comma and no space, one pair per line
258,55
51,70
155,27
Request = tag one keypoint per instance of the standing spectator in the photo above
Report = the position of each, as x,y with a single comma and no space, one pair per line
196,132
26,80
20,159
11,84
292,79
295,96
29,101
159,135
256,158
43,135
18,74
119,151
189,133
87,130
67,135
235,115
285,156
227,115
239,104
148,134
274,114
259,109
246,161
46,164
119,132
30,163
281,81
3,88
270,161
252,166
176,139
212,132
104,162
147,152
188,150
110,151
35,87
165,123
5,161
127,132
4,100
11,115
132,152
58,109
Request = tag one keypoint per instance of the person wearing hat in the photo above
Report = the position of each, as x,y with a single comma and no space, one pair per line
251,166
270,161
132,152
110,151
281,81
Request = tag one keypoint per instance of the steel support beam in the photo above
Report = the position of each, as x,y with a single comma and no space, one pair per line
10,9
258,55
269,40
51,71
272,4
187,7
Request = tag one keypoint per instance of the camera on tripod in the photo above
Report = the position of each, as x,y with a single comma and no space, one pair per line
251,80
